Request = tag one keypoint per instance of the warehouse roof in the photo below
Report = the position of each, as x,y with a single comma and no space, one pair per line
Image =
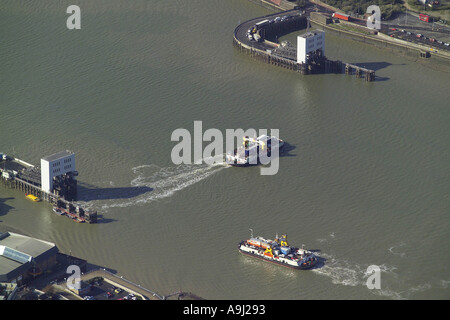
17,251
58,155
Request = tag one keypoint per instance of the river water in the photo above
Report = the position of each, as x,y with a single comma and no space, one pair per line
365,182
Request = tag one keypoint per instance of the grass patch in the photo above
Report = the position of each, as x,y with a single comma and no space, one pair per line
441,12
346,27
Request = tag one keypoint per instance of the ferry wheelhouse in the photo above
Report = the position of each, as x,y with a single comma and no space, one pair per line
255,151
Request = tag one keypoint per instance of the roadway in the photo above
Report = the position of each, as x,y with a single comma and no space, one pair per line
241,31
409,22
406,27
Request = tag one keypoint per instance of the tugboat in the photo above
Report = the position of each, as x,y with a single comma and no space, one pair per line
253,149
278,251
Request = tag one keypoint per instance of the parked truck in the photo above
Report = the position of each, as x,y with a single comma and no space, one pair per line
341,16
424,17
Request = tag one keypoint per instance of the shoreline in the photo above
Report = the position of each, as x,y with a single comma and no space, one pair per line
410,52
436,61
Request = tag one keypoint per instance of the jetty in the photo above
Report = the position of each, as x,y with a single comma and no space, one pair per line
54,181
258,37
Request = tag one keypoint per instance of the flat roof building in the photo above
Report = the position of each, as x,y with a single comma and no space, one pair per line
22,257
58,175
308,43
55,165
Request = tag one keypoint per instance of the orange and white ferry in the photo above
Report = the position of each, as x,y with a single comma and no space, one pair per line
278,251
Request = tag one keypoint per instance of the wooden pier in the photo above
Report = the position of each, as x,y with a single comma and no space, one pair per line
322,65
367,74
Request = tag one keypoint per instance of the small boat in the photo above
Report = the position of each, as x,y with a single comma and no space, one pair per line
71,215
78,220
33,198
58,211
79,215
278,251
255,151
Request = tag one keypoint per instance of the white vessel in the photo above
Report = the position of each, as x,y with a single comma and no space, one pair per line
255,151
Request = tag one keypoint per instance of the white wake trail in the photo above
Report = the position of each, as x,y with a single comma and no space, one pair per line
164,182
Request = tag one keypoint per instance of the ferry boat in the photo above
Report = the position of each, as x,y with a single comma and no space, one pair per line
278,251
252,149
33,198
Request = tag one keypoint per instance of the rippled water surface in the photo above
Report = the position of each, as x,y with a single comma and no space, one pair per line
366,181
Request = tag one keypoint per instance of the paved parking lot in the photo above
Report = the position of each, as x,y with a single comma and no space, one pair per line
419,38
103,290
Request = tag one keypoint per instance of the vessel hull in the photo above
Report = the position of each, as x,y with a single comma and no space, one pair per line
241,164
277,262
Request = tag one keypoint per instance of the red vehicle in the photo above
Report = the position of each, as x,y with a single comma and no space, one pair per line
424,17
341,16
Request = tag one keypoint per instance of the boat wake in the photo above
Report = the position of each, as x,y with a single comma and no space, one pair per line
162,183
343,272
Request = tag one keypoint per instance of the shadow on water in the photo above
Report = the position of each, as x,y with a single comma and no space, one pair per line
91,193
373,65
4,208
377,78
102,219
286,151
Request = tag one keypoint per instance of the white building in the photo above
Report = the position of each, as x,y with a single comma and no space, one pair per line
56,165
310,42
